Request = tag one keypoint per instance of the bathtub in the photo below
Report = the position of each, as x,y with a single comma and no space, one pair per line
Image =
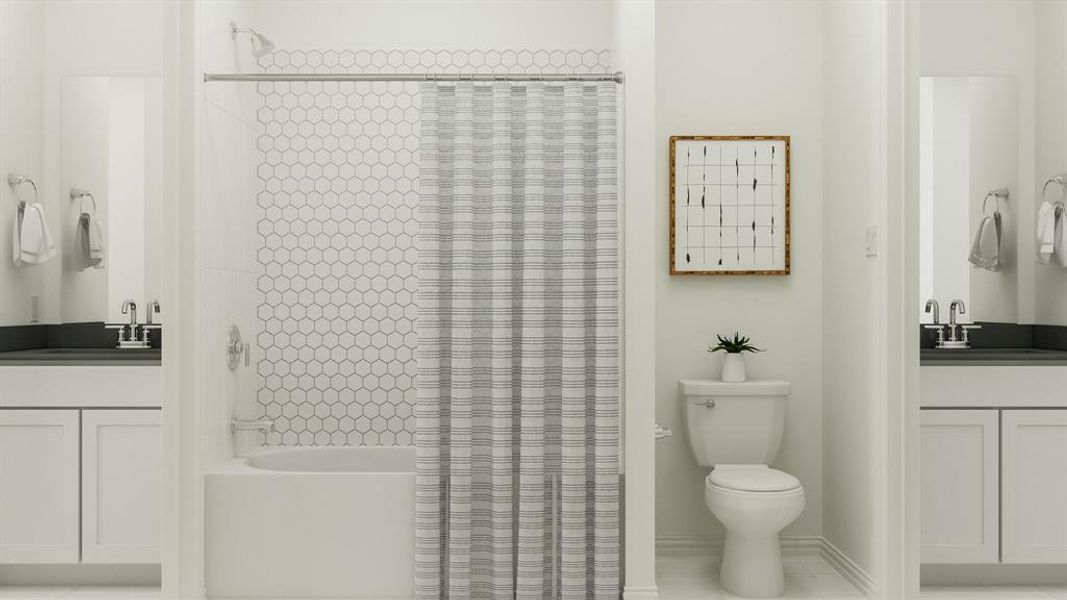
312,523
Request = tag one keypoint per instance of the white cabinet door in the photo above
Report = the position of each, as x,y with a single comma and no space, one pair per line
121,486
959,455
1034,486
38,486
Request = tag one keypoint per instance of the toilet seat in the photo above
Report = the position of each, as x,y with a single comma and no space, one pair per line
751,478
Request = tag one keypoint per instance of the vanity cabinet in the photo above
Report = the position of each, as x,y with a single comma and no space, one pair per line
121,454
80,469
1034,486
993,458
960,489
39,486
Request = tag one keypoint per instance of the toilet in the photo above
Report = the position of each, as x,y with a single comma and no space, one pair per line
735,429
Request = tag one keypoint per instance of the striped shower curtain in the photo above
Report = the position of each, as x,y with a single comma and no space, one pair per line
518,405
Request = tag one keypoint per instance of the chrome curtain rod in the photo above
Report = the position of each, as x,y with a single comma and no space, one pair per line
615,77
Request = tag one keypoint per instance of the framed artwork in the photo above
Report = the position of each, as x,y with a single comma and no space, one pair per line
729,205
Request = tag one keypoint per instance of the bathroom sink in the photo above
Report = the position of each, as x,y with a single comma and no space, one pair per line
81,355
991,356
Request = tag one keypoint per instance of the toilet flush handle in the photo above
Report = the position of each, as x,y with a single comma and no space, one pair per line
709,403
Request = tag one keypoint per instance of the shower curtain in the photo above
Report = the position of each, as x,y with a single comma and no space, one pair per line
518,405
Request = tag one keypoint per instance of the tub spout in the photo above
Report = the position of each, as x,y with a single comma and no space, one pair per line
263,426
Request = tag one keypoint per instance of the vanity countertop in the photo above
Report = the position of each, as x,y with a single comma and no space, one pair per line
82,356
975,357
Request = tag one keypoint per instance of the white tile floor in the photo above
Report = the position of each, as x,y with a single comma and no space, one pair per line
999,593
685,576
79,593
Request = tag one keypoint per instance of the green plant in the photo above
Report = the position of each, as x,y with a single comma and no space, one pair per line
736,345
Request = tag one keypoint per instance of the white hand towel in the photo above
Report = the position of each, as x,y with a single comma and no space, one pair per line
1046,231
985,251
35,243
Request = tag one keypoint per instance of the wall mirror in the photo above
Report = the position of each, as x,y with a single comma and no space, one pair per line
110,193
969,180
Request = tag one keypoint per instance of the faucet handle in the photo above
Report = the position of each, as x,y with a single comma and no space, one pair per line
940,329
120,328
149,327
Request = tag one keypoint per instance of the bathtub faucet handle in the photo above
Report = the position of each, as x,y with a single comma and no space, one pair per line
263,426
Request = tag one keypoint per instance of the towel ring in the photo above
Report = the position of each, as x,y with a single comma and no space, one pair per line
80,195
15,181
996,195
1062,181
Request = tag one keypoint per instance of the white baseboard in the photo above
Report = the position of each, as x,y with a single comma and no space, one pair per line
791,546
644,592
848,569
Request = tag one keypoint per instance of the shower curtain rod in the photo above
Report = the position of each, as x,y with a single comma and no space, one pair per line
615,77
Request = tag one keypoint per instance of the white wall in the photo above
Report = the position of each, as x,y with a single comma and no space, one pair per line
994,38
1050,54
854,187
951,190
742,68
634,47
21,149
126,41
226,217
993,133
85,152
436,24
109,149
970,146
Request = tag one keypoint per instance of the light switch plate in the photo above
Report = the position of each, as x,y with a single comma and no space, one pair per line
872,241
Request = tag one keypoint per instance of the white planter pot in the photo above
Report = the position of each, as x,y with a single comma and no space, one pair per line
733,368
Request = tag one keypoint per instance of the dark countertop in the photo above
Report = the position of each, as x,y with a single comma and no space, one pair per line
83,356
974,357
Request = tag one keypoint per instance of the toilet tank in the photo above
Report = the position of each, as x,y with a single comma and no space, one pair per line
734,423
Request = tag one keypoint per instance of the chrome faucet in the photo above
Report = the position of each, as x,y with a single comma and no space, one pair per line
958,333
127,332
933,307
954,309
153,308
129,307
149,326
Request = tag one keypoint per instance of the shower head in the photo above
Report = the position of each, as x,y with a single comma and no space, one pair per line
261,44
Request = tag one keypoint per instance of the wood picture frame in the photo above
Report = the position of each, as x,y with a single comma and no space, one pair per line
739,231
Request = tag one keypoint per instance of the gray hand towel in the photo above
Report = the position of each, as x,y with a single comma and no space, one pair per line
985,251
88,244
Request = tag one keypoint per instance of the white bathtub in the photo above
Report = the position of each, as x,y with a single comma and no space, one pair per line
312,523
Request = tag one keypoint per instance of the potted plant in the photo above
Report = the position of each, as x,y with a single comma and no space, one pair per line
733,368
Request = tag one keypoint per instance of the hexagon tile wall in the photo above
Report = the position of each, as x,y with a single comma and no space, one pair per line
339,195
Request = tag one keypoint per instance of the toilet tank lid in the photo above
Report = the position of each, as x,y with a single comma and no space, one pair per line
713,387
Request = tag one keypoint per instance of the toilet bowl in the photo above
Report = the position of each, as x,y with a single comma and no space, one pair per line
735,429
753,503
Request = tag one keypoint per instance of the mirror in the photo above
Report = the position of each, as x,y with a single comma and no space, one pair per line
110,192
969,181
